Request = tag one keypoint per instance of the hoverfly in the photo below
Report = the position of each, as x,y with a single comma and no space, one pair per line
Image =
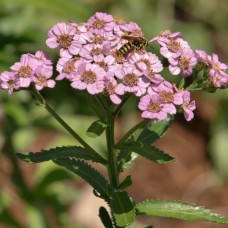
135,43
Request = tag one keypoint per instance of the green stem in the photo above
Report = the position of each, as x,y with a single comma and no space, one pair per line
141,124
112,162
65,125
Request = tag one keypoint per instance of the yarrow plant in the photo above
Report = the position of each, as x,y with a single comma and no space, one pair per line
104,58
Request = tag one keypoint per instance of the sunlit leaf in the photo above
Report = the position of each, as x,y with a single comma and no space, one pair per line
178,210
123,208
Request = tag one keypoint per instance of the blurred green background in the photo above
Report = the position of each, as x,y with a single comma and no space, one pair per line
36,196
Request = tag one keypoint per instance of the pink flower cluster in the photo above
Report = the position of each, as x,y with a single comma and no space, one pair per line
217,70
89,59
182,59
31,68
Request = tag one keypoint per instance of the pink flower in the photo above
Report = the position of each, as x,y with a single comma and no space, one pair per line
131,81
173,48
41,78
216,66
120,26
101,23
82,35
90,77
93,52
201,56
9,81
67,67
149,65
152,107
188,106
42,59
217,74
109,64
134,29
110,88
184,64
62,35
25,69
167,93
165,36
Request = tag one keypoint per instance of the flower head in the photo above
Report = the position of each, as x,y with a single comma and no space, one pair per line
152,108
9,81
131,81
184,64
90,77
62,35
101,23
42,77
187,105
24,70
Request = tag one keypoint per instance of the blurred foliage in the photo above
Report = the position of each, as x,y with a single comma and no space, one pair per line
23,28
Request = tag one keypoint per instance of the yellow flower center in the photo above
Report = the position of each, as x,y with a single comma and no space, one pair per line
130,79
24,72
89,77
64,41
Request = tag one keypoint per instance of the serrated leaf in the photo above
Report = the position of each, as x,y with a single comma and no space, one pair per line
60,152
122,208
150,152
105,218
155,131
86,172
96,129
178,210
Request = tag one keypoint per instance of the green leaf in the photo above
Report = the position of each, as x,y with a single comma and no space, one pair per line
105,218
125,158
123,208
150,152
155,131
60,152
96,129
178,210
86,172
125,183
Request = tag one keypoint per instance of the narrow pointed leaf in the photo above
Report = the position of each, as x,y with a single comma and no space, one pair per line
125,183
96,129
123,208
86,172
178,210
105,218
60,152
150,152
155,131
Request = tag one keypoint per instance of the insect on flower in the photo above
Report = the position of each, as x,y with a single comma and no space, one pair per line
135,43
